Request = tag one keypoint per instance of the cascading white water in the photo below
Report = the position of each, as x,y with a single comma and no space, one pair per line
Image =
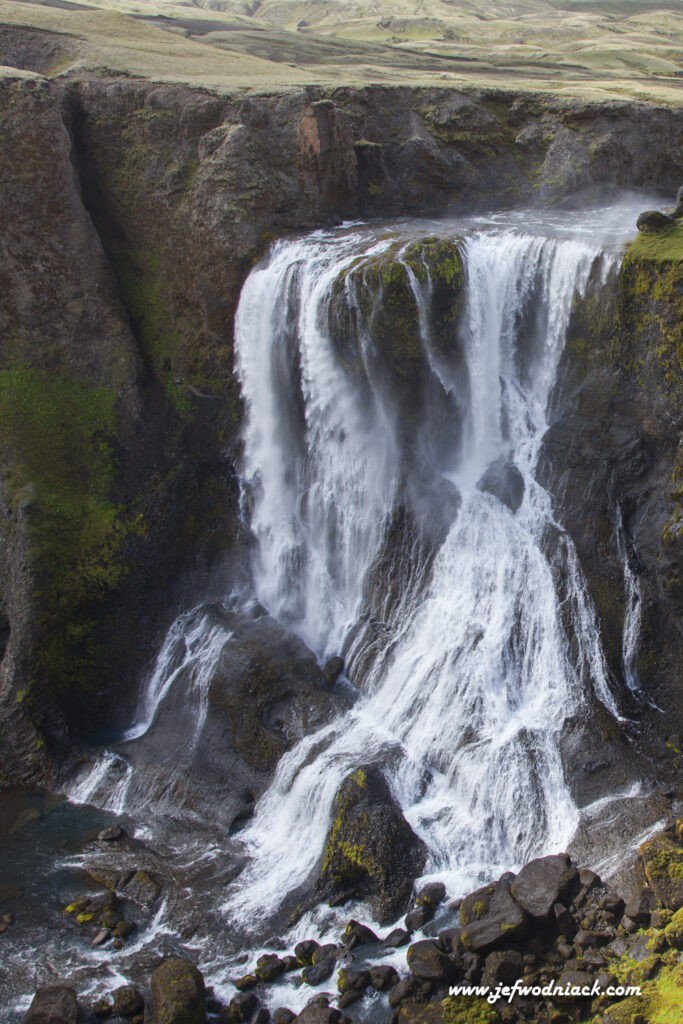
465,705
320,460
632,609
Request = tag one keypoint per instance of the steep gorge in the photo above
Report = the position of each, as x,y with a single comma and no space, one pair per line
131,216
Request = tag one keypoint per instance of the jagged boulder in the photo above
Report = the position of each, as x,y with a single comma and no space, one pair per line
427,961
491,918
544,882
371,850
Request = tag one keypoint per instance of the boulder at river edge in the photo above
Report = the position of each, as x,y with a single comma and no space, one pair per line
53,1004
371,850
178,993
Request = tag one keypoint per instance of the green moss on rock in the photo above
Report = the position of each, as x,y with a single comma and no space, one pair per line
57,446
371,849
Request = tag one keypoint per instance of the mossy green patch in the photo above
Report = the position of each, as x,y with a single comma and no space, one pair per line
468,1010
660,246
57,436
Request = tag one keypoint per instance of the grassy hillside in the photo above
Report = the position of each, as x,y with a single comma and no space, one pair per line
594,48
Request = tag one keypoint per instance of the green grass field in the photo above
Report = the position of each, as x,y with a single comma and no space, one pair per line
611,49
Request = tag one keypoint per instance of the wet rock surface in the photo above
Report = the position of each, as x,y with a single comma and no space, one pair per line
585,941
53,1004
370,850
178,993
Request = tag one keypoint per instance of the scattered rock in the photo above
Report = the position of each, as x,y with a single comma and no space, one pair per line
242,1008
502,967
352,980
411,988
6,921
431,895
128,1001
283,1016
544,882
640,905
246,982
317,1013
383,977
491,918
396,938
653,220
427,961
318,972
371,850
418,917
356,934
178,993
269,967
305,951
53,1004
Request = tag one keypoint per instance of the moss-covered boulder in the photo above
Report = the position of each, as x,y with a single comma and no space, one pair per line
662,859
370,851
178,993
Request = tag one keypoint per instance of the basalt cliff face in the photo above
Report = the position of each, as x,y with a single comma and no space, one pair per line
130,216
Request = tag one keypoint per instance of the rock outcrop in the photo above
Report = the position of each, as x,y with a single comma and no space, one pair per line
371,850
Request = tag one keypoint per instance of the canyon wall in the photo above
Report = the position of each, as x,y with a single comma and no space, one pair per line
130,214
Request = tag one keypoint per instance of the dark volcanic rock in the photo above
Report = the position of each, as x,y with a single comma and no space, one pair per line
127,1001
318,1014
370,850
356,934
178,993
504,481
491,918
283,1016
53,1004
544,882
418,917
653,220
396,938
383,977
320,971
502,967
267,692
431,895
428,962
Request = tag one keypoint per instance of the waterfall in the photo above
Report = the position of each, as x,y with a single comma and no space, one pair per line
464,700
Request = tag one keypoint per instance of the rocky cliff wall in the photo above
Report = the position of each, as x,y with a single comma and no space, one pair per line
130,214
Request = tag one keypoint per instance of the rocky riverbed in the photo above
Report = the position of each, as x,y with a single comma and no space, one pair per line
550,926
